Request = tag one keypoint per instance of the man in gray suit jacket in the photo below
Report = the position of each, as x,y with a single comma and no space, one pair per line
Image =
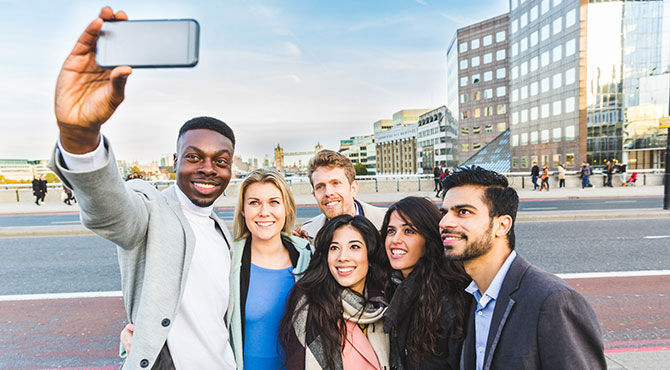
173,251
521,317
334,184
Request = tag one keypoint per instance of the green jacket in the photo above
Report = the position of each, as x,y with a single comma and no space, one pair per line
300,257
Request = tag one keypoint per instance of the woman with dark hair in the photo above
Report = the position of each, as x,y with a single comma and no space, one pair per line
426,316
333,316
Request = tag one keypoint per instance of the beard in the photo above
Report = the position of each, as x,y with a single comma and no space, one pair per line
475,248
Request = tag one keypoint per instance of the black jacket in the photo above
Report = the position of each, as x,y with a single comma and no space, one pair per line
397,321
535,171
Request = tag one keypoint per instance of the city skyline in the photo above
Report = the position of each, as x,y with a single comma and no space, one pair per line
268,68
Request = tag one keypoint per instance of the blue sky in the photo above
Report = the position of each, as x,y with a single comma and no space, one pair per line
288,72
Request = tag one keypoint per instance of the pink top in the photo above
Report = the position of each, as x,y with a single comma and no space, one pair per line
357,352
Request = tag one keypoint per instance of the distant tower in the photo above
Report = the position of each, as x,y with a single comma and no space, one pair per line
318,147
279,157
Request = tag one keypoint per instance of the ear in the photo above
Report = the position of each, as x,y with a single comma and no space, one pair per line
174,158
502,225
354,189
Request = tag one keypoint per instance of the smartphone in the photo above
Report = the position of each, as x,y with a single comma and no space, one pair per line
164,43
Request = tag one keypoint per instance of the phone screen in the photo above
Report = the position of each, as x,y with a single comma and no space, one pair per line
149,43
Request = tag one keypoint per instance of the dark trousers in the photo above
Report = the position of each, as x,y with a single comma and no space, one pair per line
609,180
534,179
437,184
561,183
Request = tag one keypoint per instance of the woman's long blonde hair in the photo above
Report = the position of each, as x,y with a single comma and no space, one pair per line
240,229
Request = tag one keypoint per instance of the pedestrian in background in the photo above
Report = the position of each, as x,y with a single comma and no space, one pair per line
42,188
584,174
561,175
437,172
621,170
534,174
67,195
545,178
609,170
37,186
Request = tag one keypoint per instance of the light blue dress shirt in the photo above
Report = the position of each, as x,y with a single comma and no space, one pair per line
486,304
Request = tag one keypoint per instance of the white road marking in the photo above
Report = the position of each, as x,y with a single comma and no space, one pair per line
32,297
66,222
538,208
657,237
594,275
620,201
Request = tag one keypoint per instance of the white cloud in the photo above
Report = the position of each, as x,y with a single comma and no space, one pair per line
292,49
422,2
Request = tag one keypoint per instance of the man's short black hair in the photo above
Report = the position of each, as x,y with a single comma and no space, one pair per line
207,123
498,196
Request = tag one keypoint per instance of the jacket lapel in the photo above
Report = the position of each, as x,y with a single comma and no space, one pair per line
468,359
504,306
359,343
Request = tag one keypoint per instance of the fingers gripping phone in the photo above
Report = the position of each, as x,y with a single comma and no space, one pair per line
149,43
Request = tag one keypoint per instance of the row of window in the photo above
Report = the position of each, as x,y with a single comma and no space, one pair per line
535,137
526,18
488,94
486,59
557,107
486,41
488,111
544,85
488,76
544,59
557,159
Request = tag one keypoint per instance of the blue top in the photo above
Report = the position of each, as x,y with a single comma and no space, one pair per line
266,301
485,305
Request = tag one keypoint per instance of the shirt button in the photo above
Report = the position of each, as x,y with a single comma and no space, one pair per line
144,363
480,313
480,349
165,322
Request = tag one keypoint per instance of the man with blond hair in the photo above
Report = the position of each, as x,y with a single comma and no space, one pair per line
334,187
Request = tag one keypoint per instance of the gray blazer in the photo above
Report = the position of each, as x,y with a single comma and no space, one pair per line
154,245
372,213
539,322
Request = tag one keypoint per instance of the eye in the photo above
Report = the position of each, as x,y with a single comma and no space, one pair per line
443,211
409,231
463,212
333,247
191,157
318,187
390,231
274,202
356,246
222,162
253,202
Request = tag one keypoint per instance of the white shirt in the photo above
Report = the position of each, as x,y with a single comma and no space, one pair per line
199,338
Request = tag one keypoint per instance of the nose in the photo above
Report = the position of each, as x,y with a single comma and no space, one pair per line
265,209
447,221
396,238
207,167
343,255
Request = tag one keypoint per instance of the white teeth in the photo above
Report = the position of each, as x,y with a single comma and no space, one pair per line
345,269
264,223
451,238
398,252
331,203
206,186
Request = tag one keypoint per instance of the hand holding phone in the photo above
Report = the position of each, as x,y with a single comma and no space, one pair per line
87,95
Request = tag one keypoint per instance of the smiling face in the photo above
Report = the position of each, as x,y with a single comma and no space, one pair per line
404,245
333,192
264,211
203,162
348,258
466,228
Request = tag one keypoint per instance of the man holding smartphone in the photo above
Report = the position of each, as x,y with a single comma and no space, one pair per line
173,251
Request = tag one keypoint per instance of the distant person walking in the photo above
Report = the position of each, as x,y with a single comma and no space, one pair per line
69,198
43,188
585,172
437,172
534,174
609,170
561,175
37,190
621,170
545,178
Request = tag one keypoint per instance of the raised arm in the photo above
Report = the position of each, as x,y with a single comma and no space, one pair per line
87,95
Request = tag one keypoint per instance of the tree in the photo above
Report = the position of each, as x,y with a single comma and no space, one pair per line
360,169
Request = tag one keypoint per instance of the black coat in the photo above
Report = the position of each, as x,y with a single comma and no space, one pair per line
397,321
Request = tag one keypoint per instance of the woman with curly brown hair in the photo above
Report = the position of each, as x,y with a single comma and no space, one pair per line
426,314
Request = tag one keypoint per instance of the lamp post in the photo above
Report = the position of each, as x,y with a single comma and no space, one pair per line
665,123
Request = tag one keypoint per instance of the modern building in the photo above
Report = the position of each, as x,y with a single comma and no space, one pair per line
381,125
477,83
436,137
407,116
575,70
361,149
396,150
495,156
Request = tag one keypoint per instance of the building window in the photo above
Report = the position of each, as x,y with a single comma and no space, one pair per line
557,2
464,81
556,134
544,32
477,95
474,44
524,92
488,75
515,95
558,79
533,39
488,58
523,44
545,110
545,6
487,40
570,18
544,59
533,13
477,112
533,137
500,54
534,88
515,161
500,91
523,20
488,93
544,84
524,162
515,25
570,47
570,104
523,138
557,53
464,98
500,73
570,76
544,136
464,64
558,23
463,47
500,36
556,109
502,126
515,140
524,115
515,49
515,118
476,146
501,109
464,114
464,131
475,78
524,68
570,159
545,160
488,111
514,4
533,113
488,129
474,62
476,130
533,64
465,147
515,72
